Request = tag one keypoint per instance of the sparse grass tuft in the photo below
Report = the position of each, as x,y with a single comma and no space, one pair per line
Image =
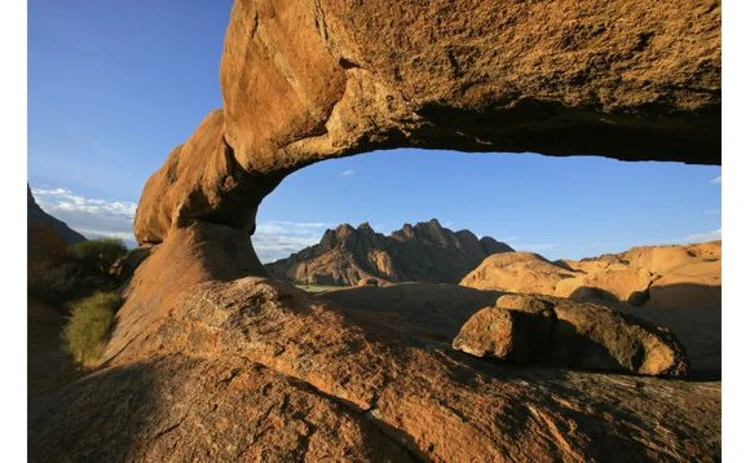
89,327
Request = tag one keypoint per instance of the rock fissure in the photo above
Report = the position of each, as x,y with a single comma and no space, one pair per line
169,429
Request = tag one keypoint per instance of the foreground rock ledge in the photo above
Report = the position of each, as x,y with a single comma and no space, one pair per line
214,366
304,81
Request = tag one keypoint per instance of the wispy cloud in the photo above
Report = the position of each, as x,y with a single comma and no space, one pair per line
347,173
92,217
98,218
711,235
278,239
716,180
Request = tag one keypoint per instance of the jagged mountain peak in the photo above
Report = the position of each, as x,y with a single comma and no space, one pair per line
424,251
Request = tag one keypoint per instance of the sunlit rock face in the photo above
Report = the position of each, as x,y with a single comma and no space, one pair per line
312,80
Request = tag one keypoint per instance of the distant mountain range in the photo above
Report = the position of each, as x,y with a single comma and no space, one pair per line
425,252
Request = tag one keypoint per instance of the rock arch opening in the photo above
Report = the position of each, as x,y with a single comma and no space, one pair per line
304,82
411,215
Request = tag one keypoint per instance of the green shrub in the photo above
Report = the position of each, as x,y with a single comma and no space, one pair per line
98,255
89,327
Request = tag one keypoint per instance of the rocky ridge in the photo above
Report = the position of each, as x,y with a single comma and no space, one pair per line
424,252
674,276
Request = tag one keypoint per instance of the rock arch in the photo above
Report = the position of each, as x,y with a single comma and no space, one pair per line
205,357
311,80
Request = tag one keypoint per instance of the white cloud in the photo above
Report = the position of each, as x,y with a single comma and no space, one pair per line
92,217
716,180
278,239
98,218
712,235
347,173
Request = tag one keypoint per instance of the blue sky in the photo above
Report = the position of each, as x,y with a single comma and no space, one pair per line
114,86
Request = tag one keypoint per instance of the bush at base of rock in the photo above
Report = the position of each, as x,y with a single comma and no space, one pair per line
98,255
89,326
544,330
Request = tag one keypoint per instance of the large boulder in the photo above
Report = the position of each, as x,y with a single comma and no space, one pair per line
427,314
518,272
548,331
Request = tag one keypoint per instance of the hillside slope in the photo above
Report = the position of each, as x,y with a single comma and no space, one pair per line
40,219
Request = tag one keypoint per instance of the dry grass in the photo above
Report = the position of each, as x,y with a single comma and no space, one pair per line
89,327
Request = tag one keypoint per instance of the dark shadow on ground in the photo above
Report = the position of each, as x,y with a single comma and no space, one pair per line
418,312
425,314
48,366
97,418
692,312
684,296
